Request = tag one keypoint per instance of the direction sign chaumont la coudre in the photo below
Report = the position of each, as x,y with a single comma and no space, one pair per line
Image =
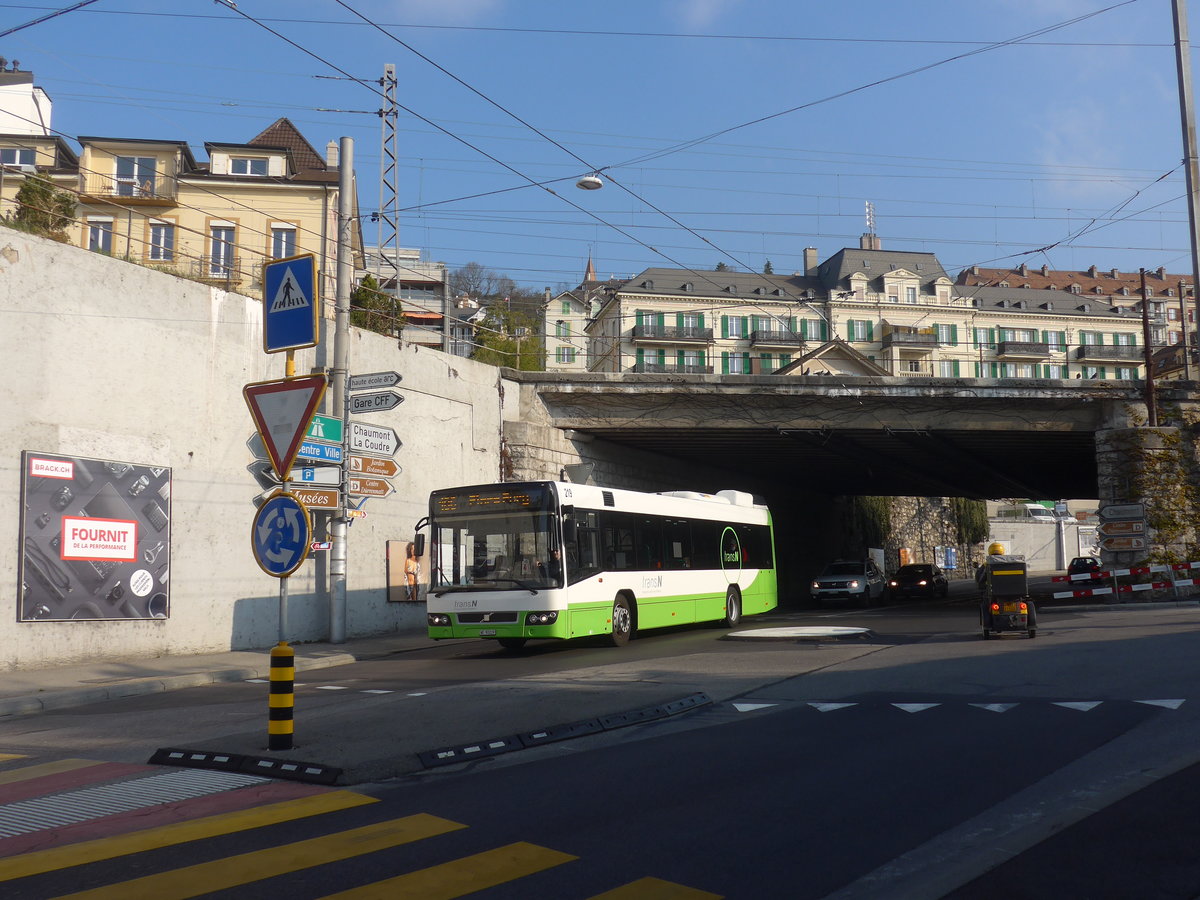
373,440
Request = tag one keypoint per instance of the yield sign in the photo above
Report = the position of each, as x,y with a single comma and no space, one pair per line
281,411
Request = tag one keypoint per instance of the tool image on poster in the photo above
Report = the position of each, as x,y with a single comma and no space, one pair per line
95,539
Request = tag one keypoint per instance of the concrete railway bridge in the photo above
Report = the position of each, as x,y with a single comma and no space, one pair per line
799,442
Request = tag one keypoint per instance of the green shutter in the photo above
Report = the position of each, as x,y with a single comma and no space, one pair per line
823,327
724,361
639,318
725,327
955,370
1103,373
991,337
978,370
995,370
660,319
784,359
849,329
700,320
641,358
679,358
954,337
870,331
804,329
701,357
792,324
745,326
661,354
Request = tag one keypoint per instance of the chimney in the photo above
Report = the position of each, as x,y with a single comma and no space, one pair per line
1115,273
1024,269
810,260
870,241
331,155
1045,269
1162,273
1092,272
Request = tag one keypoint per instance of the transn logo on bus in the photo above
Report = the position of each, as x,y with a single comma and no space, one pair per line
652,582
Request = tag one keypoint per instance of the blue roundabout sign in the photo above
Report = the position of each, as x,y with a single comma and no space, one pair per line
281,535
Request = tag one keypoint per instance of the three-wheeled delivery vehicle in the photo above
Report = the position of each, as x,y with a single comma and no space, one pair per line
1005,605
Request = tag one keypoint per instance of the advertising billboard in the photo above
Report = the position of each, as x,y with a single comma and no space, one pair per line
95,539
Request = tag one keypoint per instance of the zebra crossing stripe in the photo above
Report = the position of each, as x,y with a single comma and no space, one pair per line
464,876
915,707
1082,707
247,868
994,707
830,707
1165,704
49,860
655,889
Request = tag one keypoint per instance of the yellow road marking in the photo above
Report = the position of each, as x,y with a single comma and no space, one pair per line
5,757
55,858
655,889
25,773
462,876
233,871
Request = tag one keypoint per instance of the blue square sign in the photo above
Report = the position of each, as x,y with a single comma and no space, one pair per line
290,303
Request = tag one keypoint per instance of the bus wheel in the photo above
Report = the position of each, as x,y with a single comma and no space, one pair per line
622,622
512,643
733,607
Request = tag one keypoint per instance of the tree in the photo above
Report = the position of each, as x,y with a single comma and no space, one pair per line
721,267
767,270
508,337
43,209
375,310
490,287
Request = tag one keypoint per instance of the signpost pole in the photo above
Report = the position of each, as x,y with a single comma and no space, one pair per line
283,599
341,341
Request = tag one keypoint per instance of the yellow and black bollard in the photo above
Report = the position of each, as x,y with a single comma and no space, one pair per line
282,698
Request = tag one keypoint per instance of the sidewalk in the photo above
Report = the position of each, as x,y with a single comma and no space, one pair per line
27,691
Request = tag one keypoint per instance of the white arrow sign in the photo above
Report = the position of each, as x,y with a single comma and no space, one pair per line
375,401
373,440
372,381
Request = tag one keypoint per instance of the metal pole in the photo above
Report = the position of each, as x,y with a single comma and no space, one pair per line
1183,65
1151,403
1187,363
341,344
283,604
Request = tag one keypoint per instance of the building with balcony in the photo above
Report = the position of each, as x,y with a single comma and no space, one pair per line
152,202
419,289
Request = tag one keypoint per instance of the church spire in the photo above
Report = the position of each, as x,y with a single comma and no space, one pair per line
590,273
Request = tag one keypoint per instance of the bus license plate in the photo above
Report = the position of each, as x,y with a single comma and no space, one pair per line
487,632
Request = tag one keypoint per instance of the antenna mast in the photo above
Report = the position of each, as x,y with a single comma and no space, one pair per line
388,233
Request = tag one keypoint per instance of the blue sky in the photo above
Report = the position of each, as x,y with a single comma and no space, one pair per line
1062,150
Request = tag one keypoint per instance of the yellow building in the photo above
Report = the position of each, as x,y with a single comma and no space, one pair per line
152,202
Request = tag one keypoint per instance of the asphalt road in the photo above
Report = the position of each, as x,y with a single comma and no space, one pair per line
904,765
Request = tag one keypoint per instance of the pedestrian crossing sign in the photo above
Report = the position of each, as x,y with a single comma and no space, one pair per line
290,307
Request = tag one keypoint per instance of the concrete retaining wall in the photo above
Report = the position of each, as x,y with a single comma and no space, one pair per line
114,361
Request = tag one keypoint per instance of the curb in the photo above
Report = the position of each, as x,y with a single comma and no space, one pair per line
154,684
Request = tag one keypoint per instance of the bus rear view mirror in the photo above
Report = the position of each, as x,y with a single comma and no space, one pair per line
570,530
418,545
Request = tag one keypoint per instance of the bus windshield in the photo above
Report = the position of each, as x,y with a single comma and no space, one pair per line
496,551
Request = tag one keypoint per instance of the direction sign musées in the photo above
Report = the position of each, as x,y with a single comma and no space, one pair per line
316,498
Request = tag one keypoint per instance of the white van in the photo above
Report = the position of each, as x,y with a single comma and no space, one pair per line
1026,511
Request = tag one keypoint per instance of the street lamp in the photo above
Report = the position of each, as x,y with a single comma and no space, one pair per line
590,182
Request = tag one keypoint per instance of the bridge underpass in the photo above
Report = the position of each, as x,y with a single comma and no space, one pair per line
806,445
893,437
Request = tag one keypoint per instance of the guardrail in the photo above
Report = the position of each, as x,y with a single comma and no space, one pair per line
1117,588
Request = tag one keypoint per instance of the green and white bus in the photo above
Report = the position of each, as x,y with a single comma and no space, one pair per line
512,562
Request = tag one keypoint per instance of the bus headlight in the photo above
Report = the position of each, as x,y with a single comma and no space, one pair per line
541,618
438,620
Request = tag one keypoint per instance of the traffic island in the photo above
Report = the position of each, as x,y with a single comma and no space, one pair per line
801,633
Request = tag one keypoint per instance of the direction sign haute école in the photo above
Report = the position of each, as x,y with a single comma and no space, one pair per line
373,381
